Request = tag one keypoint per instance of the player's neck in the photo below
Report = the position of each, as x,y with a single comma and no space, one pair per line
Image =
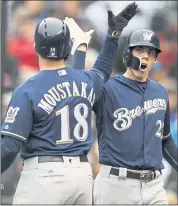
129,74
51,65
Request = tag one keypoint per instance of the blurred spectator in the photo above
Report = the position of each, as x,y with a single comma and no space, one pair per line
91,56
70,9
15,4
146,10
158,72
169,54
37,10
171,85
74,9
21,44
10,80
168,37
159,21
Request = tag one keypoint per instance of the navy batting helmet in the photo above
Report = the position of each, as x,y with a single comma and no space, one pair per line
141,37
52,39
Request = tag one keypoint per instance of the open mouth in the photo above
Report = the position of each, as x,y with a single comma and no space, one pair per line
143,67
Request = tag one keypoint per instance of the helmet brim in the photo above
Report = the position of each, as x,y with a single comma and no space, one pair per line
144,44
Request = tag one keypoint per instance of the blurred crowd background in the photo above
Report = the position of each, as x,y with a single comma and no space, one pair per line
20,62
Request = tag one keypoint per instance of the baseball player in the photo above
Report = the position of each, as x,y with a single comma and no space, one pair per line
133,124
49,116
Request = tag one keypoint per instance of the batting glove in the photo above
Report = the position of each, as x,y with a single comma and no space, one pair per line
118,23
77,35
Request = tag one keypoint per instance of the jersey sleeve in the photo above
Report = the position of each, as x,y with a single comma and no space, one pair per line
98,81
102,69
100,101
166,131
95,75
18,119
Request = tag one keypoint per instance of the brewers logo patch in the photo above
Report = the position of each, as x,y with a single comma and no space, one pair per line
11,114
147,37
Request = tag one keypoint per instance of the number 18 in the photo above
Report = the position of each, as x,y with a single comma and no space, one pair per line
82,124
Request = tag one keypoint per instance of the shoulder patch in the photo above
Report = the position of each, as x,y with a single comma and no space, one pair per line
11,114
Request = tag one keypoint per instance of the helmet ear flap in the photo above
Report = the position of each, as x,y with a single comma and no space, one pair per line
127,57
131,61
127,53
66,44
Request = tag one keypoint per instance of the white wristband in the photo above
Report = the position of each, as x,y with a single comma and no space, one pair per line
76,44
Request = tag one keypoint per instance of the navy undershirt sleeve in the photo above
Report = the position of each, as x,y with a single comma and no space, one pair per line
10,147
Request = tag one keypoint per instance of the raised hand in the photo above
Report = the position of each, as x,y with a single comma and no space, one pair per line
77,35
118,23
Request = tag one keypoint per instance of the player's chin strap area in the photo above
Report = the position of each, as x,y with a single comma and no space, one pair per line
130,60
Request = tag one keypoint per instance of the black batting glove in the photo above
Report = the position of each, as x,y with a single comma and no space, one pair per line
118,23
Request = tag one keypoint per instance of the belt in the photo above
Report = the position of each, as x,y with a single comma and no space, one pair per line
144,177
42,159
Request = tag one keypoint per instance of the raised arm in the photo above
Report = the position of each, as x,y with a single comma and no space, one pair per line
79,56
80,41
106,57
